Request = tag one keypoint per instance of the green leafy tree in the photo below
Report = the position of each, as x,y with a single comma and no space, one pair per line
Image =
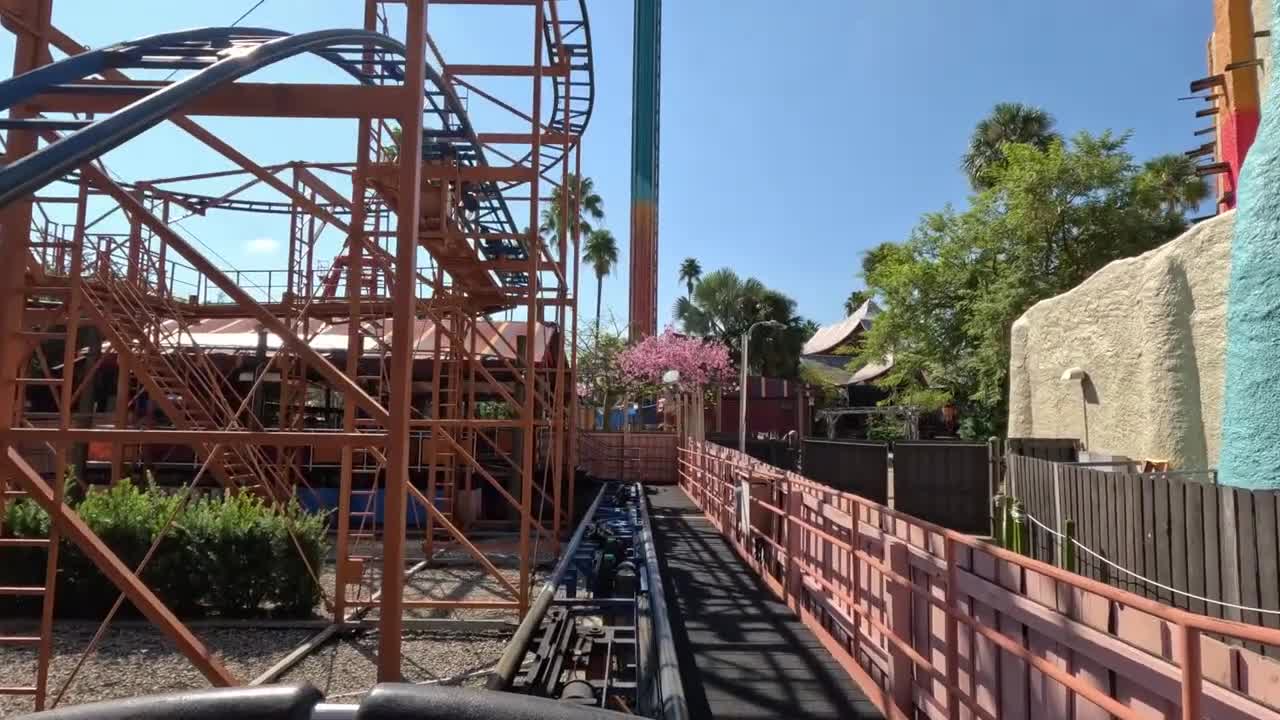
1009,122
601,382
724,305
690,273
1050,217
585,202
601,253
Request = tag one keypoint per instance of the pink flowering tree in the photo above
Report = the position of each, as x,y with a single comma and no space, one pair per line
699,362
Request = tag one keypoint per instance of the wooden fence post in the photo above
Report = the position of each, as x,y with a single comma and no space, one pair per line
1068,546
900,670
1229,545
793,587
1057,509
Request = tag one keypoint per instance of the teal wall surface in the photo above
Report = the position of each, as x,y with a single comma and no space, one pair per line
1251,414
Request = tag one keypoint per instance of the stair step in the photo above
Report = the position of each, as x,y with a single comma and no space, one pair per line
24,542
14,494
34,335
19,639
20,590
40,381
18,690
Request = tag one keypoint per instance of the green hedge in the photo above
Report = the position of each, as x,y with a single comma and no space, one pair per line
233,555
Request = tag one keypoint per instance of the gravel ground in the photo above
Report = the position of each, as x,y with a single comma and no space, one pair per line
136,659
344,670
456,576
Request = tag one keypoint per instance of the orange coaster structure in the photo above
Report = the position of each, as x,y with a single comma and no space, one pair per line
371,370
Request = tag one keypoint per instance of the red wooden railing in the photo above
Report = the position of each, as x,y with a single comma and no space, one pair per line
939,624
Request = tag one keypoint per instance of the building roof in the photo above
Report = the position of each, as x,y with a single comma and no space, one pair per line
241,335
872,371
827,372
830,337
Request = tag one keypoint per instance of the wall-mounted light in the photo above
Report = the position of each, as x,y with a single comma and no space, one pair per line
1073,374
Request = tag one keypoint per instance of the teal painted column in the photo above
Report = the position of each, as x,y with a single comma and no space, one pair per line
1250,455
645,111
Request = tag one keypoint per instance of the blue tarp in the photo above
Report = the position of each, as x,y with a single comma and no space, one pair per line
327,499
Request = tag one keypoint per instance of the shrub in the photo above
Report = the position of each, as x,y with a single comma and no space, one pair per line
298,535
231,555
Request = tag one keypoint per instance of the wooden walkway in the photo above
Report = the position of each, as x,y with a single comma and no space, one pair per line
743,654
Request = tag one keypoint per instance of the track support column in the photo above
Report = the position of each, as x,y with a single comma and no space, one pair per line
390,620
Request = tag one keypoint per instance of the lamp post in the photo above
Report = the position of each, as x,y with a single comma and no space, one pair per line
742,387
743,486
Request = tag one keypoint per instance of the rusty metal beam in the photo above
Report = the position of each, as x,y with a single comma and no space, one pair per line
239,158
292,100
479,173
512,138
313,438
509,70
390,620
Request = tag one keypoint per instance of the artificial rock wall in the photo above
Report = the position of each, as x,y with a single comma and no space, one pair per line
1150,334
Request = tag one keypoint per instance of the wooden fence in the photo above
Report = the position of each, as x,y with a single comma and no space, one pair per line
778,453
948,483
1173,529
938,624
861,468
1056,449
646,457
944,482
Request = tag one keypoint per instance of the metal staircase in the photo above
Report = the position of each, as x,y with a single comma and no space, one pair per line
180,378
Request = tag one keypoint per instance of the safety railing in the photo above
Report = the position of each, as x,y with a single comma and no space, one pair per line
936,623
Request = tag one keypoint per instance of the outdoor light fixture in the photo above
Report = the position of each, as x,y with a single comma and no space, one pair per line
1076,373
671,377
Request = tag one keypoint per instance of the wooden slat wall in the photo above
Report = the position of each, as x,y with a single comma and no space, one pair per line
643,457
1214,542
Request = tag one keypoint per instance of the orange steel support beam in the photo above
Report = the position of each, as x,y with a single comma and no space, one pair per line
532,317
256,170
512,138
390,620
536,70
293,100
189,437
116,571
355,245
479,173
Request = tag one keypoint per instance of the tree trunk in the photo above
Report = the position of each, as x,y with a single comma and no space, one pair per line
599,292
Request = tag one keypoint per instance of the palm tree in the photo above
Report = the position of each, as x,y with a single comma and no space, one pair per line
690,272
601,252
1173,181
855,300
1009,122
591,209
723,305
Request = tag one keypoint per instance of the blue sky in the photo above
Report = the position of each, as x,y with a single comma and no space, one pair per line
794,135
